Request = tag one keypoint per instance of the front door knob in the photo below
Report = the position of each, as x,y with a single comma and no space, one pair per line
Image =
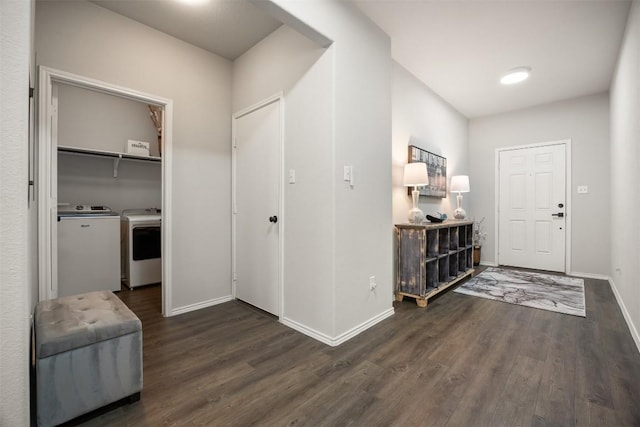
273,219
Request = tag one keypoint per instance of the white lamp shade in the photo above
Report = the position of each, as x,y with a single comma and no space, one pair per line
460,184
415,174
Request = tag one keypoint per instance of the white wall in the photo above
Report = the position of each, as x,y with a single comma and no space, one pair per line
585,121
361,135
275,64
309,204
90,181
85,39
15,44
422,118
95,120
625,174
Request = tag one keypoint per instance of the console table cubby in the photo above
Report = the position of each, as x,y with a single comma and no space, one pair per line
432,257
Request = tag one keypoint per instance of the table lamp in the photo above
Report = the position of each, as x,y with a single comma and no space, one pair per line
460,183
415,175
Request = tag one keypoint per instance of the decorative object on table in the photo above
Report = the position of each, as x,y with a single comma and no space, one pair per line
561,294
436,170
415,175
460,183
155,111
435,219
479,235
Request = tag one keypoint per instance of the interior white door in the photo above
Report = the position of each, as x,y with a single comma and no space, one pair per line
257,195
532,207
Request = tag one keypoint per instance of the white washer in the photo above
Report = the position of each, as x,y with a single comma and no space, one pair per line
88,250
141,247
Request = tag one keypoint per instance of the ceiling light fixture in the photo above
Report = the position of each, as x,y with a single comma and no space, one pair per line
516,75
193,2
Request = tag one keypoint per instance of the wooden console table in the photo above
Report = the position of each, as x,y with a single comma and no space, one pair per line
432,257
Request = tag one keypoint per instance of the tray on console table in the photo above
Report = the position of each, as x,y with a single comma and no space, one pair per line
432,257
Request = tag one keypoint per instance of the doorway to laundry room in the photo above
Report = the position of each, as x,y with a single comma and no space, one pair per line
102,171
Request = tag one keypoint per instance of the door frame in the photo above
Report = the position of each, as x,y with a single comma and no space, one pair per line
48,180
278,97
568,195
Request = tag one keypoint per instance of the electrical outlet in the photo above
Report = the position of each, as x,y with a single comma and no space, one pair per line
372,283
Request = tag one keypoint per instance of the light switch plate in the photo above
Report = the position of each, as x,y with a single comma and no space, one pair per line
292,176
583,189
347,173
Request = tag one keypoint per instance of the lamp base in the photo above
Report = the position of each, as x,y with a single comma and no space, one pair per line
459,214
416,216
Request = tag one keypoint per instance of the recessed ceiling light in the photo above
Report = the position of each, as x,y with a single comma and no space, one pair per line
193,2
516,75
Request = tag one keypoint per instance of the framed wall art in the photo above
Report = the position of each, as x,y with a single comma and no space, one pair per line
436,169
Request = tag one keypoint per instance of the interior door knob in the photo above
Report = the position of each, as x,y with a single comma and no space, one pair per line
273,219
559,215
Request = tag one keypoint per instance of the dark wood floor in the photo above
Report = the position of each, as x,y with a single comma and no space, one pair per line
464,361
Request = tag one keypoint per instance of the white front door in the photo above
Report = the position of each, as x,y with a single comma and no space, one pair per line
532,206
257,199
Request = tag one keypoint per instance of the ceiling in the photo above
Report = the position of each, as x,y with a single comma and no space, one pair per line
225,27
459,48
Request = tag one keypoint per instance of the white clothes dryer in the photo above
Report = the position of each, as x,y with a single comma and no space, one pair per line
141,247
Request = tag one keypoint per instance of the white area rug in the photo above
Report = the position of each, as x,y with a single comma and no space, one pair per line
545,291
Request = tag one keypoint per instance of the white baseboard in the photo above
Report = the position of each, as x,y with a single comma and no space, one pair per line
363,326
310,332
488,263
199,305
625,313
335,341
589,275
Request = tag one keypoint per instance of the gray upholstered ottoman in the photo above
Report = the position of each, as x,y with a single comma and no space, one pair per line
88,355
